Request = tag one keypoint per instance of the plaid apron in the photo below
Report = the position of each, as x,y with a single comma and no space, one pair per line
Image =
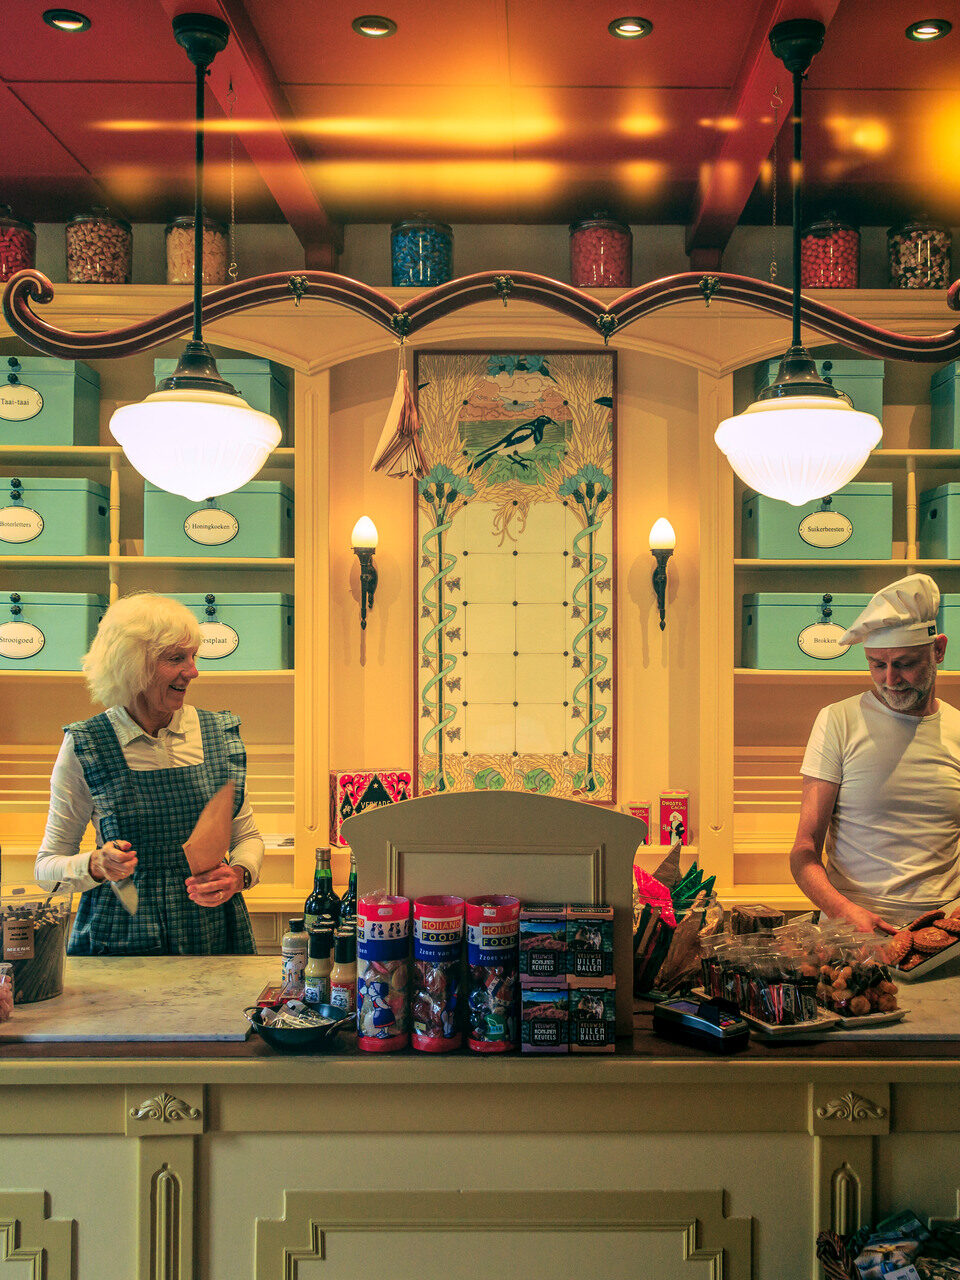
156,810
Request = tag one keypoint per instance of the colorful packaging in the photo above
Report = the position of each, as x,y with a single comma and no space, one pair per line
355,791
543,944
545,1013
383,952
437,946
593,1020
492,959
639,809
589,945
673,816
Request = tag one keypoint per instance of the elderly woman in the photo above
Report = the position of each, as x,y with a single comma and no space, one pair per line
142,771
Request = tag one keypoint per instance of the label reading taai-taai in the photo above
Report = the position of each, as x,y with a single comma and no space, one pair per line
19,402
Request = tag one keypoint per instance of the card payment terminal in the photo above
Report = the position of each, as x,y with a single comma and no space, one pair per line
708,1024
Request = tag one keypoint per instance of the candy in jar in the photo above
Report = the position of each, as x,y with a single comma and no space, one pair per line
18,243
601,252
421,253
830,255
383,951
99,249
437,942
919,256
493,959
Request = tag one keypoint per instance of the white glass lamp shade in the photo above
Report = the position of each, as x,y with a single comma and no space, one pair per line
662,537
199,444
798,448
364,534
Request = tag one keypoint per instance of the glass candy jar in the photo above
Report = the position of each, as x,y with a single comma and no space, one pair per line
18,243
99,248
421,253
601,252
180,246
919,255
830,255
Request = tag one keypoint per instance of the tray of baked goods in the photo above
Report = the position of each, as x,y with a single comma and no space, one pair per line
925,944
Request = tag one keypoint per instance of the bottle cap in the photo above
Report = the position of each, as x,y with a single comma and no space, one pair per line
296,924
319,943
345,947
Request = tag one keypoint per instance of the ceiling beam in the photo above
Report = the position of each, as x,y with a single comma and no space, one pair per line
281,159
747,128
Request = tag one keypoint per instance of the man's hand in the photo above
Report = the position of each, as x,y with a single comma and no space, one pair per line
116,860
865,921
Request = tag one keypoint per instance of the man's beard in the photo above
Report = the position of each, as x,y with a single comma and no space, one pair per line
911,697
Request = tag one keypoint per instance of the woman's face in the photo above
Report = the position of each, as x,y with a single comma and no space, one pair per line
175,669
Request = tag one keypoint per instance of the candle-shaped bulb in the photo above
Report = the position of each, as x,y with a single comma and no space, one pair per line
662,537
364,534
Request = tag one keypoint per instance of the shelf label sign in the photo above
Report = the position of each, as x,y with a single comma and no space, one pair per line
217,640
20,524
211,527
19,402
825,529
20,640
822,640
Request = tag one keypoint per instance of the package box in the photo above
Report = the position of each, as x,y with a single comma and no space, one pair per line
938,523
861,380
544,1014
47,631
674,817
800,631
263,384
945,408
543,944
589,953
592,1020
255,521
354,790
948,621
53,516
46,401
639,809
855,523
242,632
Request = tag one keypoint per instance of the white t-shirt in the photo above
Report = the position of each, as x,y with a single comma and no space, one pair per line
892,843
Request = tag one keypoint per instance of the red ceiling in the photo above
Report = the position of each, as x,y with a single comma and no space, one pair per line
485,110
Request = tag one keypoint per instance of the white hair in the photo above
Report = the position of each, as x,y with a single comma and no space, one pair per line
132,635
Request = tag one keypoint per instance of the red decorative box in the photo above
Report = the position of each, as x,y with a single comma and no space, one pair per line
351,793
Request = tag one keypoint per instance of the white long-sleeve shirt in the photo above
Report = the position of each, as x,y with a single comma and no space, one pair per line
72,806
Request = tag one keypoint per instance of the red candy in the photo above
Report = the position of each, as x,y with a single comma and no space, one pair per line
16,250
830,256
601,253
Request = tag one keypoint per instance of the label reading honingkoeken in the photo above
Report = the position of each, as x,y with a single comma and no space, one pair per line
211,526
821,640
825,529
19,402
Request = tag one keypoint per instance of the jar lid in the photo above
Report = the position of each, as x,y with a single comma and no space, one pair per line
185,220
9,219
422,224
99,214
599,218
345,947
920,223
826,225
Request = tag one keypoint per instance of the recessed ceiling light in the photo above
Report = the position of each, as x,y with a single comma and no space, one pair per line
372,25
630,28
928,29
66,20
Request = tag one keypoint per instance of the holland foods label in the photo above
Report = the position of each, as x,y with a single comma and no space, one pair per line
822,640
18,402
217,640
211,527
825,529
20,640
20,524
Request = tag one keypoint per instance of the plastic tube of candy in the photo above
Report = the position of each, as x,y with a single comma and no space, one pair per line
493,959
383,953
437,947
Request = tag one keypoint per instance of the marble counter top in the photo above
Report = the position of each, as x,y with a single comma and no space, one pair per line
932,1012
145,998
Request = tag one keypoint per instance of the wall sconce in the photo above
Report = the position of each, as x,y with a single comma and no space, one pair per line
364,542
662,542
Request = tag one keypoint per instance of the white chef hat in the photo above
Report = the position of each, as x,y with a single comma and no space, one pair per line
898,616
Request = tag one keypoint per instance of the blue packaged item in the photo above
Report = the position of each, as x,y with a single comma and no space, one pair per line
421,253
54,516
47,630
383,951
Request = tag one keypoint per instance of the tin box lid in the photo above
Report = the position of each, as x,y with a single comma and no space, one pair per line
858,489
941,491
808,600
54,484
255,489
48,366
69,599
235,600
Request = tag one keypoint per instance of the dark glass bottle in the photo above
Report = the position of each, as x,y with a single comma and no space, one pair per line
348,903
323,905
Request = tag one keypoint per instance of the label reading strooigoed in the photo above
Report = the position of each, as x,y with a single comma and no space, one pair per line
19,402
217,640
822,640
825,529
20,640
211,526
19,523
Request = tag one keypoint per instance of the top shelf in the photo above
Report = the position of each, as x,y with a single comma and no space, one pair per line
102,453
922,457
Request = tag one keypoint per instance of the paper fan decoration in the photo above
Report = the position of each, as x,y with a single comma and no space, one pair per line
398,451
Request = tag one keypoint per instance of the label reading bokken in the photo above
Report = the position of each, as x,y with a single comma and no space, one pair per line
18,939
211,527
217,640
20,524
20,640
825,529
19,402
822,640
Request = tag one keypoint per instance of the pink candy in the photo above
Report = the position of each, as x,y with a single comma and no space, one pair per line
601,254
831,260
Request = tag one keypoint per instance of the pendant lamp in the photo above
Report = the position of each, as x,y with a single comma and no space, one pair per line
801,439
195,436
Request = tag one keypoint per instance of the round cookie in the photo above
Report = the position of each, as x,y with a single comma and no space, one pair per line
898,946
912,960
928,917
931,940
950,924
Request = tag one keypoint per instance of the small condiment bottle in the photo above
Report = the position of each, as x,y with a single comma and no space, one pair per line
293,949
316,981
343,977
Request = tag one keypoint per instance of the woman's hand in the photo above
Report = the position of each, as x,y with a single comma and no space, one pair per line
113,861
214,888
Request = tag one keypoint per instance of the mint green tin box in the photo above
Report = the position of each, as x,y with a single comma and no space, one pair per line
54,516
861,380
938,523
948,621
263,384
800,631
46,630
256,520
855,523
44,400
249,631
945,408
